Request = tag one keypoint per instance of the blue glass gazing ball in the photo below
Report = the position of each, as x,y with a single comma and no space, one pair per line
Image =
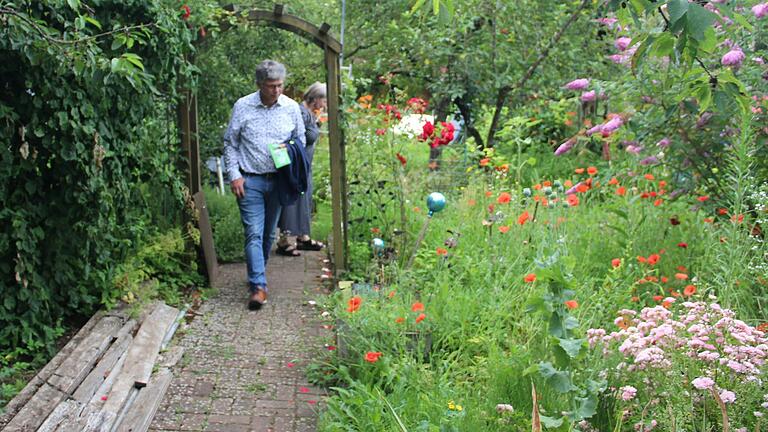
435,202
378,244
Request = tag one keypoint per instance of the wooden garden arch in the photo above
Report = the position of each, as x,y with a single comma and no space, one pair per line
187,112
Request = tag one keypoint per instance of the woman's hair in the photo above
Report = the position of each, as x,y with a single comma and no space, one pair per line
269,70
314,92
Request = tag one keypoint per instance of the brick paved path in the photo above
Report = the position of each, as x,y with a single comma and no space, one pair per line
244,370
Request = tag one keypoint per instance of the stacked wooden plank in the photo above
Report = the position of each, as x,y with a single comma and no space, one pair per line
103,379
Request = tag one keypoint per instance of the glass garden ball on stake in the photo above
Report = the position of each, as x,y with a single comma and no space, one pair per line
435,203
378,246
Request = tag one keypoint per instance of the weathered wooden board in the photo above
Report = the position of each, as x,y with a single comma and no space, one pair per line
140,359
79,364
65,410
206,239
171,357
34,413
143,352
145,406
24,396
103,369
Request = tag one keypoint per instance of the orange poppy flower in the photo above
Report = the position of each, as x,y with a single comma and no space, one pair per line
391,294
354,304
642,259
658,298
488,194
722,211
662,183
689,290
523,218
484,162
658,202
399,320
649,177
417,307
504,198
616,262
653,259
621,191
530,277
503,229
579,170
420,318
537,186
567,183
681,276
664,279
440,251
582,188
591,170
546,183
613,181
372,357
702,198
571,304
471,202
739,218
573,200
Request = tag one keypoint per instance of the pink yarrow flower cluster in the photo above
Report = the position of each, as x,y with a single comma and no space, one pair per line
760,10
702,337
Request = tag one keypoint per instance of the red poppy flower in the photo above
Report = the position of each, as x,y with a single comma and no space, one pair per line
682,245
488,194
658,202
662,184
530,277
420,318
484,162
399,320
739,218
417,307
613,181
591,170
354,304
573,200
642,259
722,211
187,12
581,188
401,158
649,177
537,186
708,220
658,298
372,357
381,131
621,191
567,183
571,304
702,198
504,198
616,262
546,183
504,229
689,290
331,348
375,230
579,170
440,251
681,276
664,279
653,259
523,218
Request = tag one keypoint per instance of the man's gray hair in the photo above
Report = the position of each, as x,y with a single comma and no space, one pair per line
314,92
269,70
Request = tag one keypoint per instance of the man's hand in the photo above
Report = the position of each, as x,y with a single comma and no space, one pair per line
237,187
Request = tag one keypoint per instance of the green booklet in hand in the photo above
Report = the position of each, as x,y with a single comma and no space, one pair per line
279,154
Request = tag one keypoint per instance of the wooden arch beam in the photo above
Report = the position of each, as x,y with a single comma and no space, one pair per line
278,18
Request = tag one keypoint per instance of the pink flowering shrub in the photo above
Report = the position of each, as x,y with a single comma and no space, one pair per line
667,366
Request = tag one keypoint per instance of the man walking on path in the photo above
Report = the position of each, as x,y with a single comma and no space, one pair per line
260,120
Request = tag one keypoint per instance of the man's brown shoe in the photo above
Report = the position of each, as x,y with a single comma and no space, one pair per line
257,299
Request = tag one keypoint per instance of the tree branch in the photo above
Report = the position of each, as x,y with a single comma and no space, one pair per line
504,91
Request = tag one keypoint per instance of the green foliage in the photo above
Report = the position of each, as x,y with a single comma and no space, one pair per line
81,154
226,224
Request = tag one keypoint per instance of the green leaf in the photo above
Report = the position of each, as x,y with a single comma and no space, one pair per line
703,94
663,46
709,43
572,347
74,4
93,22
640,53
134,59
417,5
587,407
117,42
739,18
551,422
677,9
571,323
560,381
698,21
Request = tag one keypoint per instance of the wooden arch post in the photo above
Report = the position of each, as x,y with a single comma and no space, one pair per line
332,50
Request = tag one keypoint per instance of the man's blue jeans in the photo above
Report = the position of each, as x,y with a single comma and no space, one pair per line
259,211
